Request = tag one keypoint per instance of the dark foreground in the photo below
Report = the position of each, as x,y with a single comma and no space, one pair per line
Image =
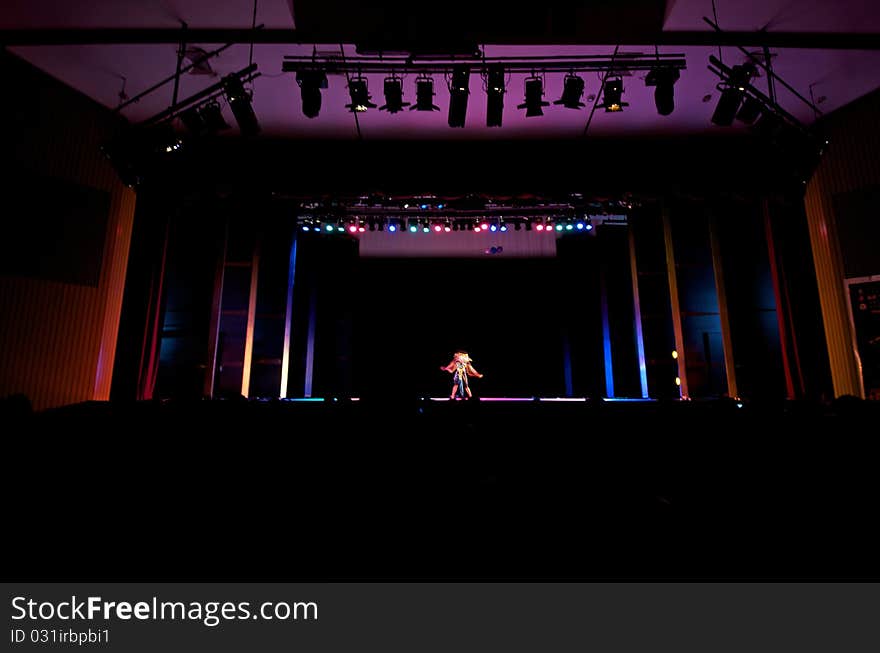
279,491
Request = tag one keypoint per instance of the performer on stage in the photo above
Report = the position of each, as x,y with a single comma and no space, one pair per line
461,368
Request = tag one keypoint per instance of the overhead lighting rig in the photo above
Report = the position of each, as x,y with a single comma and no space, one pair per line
403,64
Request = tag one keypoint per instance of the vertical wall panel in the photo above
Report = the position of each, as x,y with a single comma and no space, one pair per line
850,164
57,339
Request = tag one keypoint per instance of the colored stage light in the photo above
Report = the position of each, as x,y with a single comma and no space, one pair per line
580,226
493,228
559,227
539,227
438,228
360,96
392,228
534,101
572,91
413,228
240,102
484,226
425,95
393,88
569,227
663,80
458,96
589,226
329,227
612,101
495,88
353,228
310,84
732,95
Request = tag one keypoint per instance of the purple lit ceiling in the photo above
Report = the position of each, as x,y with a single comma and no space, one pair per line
834,77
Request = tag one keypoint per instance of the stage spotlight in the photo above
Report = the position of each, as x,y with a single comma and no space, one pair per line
732,95
392,228
413,227
580,225
749,111
310,84
663,80
425,95
205,120
569,226
360,96
212,116
458,95
559,227
727,107
572,91
495,95
194,122
534,101
611,100
539,226
328,227
240,104
393,89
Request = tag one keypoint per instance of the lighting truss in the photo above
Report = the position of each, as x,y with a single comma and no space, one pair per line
620,63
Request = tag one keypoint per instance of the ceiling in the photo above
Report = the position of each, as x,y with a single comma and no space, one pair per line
834,76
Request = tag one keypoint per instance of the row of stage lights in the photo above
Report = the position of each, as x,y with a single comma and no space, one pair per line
312,81
429,226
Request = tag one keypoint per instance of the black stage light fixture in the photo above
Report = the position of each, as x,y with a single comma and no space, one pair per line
213,117
205,120
310,84
425,95
360,96
663,80
458,95
750,110
494,95
732,94
240,104
572,92
534,97
193,120
393,88
611,100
